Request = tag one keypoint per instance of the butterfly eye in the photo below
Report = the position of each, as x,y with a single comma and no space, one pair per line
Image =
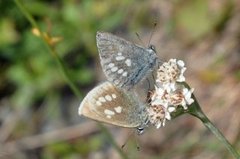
140,130
152,47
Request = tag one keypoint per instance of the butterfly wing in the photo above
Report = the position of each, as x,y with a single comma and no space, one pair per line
106,103
123,62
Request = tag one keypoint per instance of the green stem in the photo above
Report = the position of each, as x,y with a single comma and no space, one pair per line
65,72
196,111
50,49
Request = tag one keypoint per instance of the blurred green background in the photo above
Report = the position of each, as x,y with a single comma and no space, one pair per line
38,110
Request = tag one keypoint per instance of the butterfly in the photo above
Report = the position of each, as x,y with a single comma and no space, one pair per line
107,103
125,65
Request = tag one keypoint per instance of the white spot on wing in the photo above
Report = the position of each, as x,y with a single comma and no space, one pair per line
108,112
124,74
128,62
120,71
98,103
109,116
118,109
111,65
114,69
114,95
119,58
102,99
119,54
108,97
116,81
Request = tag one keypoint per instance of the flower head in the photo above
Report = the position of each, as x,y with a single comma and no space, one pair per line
158,114
169,93
171,72
181,97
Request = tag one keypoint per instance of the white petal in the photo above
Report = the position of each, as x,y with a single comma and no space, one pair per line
180,63
183,70
173,86
187,95
168,116
159,91
171,109
185,107
173,60
158,125
157,102
181,78
190,101
163,122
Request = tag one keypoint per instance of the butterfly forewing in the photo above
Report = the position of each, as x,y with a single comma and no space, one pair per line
123,62
107,103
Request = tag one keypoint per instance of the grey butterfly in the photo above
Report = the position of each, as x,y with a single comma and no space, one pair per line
124,63
109,104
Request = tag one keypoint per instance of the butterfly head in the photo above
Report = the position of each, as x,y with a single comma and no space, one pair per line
156,61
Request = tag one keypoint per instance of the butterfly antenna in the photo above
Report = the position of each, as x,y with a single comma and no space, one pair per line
125,143
154,26
140,39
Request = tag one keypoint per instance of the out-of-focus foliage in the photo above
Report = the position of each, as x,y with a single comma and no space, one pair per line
196,19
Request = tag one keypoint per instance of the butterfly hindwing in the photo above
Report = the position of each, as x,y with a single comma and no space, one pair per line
123,62
107,103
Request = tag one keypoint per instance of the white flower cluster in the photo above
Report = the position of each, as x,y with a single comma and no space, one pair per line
169,92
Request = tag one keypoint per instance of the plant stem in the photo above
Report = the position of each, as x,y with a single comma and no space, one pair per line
196,111
66,73
50,49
